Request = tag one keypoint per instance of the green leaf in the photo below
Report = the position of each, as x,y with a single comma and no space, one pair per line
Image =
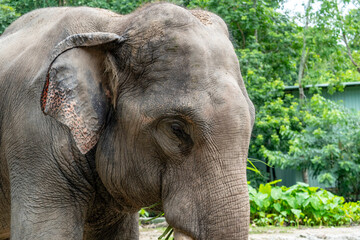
301,197
275,182
277,207
143,212
315,202
290,200
252,191
266,189
296,212
167,233
276,193
259,199
284,213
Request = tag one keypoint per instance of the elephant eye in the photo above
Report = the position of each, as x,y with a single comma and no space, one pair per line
178,130
174,134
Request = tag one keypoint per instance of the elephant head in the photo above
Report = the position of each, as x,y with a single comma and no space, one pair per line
160,99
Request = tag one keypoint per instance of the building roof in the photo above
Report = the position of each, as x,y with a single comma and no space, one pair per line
346,84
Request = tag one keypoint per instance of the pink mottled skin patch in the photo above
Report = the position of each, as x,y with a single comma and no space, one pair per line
55,102
44,94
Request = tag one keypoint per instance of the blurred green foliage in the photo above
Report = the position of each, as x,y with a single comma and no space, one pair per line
120,6
7,16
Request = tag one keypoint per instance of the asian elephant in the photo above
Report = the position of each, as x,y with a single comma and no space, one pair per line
102,114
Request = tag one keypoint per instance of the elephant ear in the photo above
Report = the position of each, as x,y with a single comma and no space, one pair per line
74,92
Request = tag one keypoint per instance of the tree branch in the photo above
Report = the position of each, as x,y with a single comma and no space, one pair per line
345,39
242,35
349,51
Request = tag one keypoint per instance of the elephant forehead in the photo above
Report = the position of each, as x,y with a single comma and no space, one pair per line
211,53
201,105
193,58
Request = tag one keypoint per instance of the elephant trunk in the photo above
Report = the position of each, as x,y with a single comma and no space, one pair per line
230,216
229,204
216,207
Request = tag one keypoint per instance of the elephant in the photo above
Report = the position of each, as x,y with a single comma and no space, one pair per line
102,114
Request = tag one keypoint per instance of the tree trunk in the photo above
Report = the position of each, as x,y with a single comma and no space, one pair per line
305,176
303,55
256,31
301,73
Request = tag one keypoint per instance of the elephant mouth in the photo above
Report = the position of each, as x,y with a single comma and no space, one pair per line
178,235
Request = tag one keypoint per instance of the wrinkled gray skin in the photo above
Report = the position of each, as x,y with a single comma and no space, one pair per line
138,109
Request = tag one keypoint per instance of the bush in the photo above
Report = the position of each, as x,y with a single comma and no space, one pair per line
300,205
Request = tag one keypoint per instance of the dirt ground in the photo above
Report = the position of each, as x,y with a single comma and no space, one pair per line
328,233
150,233
337,233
